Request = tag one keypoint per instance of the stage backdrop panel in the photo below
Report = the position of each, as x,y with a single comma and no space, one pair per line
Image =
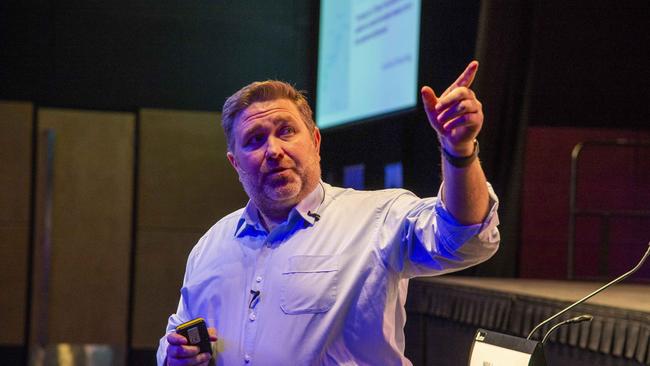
185,185
608,178
15,190
87,285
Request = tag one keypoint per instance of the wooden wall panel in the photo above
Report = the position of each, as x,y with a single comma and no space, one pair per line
185,185
185,179
15,191
160,267
92,225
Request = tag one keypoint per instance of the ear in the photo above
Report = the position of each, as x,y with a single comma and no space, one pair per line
317,140
233,161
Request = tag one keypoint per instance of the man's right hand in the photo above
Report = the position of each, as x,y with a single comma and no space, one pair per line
180,354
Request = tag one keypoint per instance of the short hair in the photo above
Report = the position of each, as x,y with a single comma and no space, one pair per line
262,91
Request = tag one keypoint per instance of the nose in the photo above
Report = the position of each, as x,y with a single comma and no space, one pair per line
273,148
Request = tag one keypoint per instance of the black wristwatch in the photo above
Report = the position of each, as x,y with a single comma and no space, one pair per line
461,161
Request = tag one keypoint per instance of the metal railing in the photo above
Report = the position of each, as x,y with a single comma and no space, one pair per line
604,214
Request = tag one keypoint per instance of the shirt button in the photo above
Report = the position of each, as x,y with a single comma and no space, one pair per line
247,358
258,279
252,316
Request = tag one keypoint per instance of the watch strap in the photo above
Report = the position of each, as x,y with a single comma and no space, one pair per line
461,161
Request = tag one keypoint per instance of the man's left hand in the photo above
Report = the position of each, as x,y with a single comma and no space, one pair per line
456,116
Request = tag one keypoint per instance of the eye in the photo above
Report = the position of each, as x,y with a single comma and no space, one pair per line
287,130
254,140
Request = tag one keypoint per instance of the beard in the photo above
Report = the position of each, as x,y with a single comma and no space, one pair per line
283,186
280,190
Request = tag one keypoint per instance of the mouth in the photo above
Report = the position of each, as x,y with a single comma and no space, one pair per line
276,171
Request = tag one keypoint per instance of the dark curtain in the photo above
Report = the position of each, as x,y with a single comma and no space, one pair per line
553,63
504,46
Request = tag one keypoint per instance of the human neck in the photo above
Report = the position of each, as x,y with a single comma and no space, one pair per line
273,213
270,219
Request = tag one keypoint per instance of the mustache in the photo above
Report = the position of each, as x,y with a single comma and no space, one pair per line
271,170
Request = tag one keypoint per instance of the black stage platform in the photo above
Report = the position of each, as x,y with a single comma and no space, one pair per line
444,312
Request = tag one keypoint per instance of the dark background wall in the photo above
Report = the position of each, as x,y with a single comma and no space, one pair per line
585,66
119,55
589,64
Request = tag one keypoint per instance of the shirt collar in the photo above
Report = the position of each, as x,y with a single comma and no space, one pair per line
305,209
308,207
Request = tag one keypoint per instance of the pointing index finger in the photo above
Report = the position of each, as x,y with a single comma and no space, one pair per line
465,79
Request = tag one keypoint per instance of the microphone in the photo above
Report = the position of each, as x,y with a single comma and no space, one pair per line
579,319
314,215
614,281
574,320
254,298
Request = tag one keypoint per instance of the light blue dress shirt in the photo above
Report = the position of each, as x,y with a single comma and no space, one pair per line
332,280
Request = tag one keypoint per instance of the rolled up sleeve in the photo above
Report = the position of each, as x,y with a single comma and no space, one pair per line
432,242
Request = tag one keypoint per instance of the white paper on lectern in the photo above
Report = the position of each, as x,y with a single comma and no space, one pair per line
485,354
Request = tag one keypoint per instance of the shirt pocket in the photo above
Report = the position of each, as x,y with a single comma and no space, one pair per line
309,284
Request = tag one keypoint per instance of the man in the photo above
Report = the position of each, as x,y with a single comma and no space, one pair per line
310,274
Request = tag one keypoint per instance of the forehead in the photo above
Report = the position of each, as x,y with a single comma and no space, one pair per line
268,109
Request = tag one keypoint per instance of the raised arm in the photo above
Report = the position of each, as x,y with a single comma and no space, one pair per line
457,118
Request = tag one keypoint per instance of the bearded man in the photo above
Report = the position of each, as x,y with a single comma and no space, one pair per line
311,274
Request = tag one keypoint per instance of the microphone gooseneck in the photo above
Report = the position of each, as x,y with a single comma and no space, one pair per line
616,280
574,320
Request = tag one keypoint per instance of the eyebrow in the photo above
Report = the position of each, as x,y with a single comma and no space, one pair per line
246,132
275,119
280,111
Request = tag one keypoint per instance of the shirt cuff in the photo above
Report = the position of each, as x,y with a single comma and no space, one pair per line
460,233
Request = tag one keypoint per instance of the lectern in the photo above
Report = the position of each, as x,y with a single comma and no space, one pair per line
497,349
